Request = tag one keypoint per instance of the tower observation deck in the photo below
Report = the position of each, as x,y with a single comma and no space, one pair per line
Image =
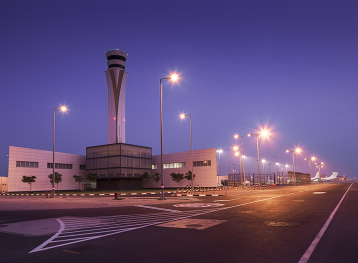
116,81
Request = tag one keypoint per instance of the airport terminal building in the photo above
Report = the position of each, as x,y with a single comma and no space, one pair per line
117,164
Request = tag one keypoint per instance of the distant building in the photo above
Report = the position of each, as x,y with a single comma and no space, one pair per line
39,163
297,177
341,178
116,83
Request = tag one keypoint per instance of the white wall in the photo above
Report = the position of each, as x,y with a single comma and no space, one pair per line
3,184
42,181
205,176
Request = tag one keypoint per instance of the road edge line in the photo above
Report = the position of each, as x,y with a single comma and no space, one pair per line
306,256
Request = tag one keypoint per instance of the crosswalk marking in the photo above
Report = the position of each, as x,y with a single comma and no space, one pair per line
79,229
93,228
157,208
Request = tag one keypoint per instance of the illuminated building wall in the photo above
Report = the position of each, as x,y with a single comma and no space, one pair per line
204,162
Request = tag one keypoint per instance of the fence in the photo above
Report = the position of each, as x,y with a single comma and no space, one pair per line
281,178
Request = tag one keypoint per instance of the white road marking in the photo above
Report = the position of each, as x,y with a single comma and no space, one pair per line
157,208
318,193
306,256
226,200
97,227
62,227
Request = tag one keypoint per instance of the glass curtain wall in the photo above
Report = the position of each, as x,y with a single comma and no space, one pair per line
118,160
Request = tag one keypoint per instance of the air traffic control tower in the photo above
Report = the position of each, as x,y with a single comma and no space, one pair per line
116,82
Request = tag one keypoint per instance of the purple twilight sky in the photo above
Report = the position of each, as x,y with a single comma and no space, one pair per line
291,65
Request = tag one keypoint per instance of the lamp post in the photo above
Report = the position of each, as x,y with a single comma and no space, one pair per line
182,116
297,151
262,133
319,170
269,165
236,136
229,169
274,181
63,109
173,78
258,155
286,172
309,163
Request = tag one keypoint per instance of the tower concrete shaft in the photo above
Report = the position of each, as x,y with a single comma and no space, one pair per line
116,80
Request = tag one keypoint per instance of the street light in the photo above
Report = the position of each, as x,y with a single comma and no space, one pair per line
264,133
274,180
182,116
269,164
219,152
263,165
319,165
173,78
242,155
62,109
297,150
309,163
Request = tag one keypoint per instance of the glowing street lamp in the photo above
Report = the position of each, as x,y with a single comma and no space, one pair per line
62,109
182,116
263,133
173,78
297,150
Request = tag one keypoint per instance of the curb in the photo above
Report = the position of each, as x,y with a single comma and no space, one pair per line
84,194
199,195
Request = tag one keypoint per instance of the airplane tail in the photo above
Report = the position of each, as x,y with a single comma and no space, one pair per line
334,175
317,175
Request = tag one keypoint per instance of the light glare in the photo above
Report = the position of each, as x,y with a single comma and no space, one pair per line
174,77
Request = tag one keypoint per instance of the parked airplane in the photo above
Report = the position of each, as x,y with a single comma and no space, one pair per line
332,177
316,178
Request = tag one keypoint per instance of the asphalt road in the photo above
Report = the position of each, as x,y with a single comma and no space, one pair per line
276,225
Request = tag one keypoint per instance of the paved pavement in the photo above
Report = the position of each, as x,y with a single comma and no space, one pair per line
276,225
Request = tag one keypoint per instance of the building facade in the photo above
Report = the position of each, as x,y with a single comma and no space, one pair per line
3,184
39,163
204,168
119,166
116,83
